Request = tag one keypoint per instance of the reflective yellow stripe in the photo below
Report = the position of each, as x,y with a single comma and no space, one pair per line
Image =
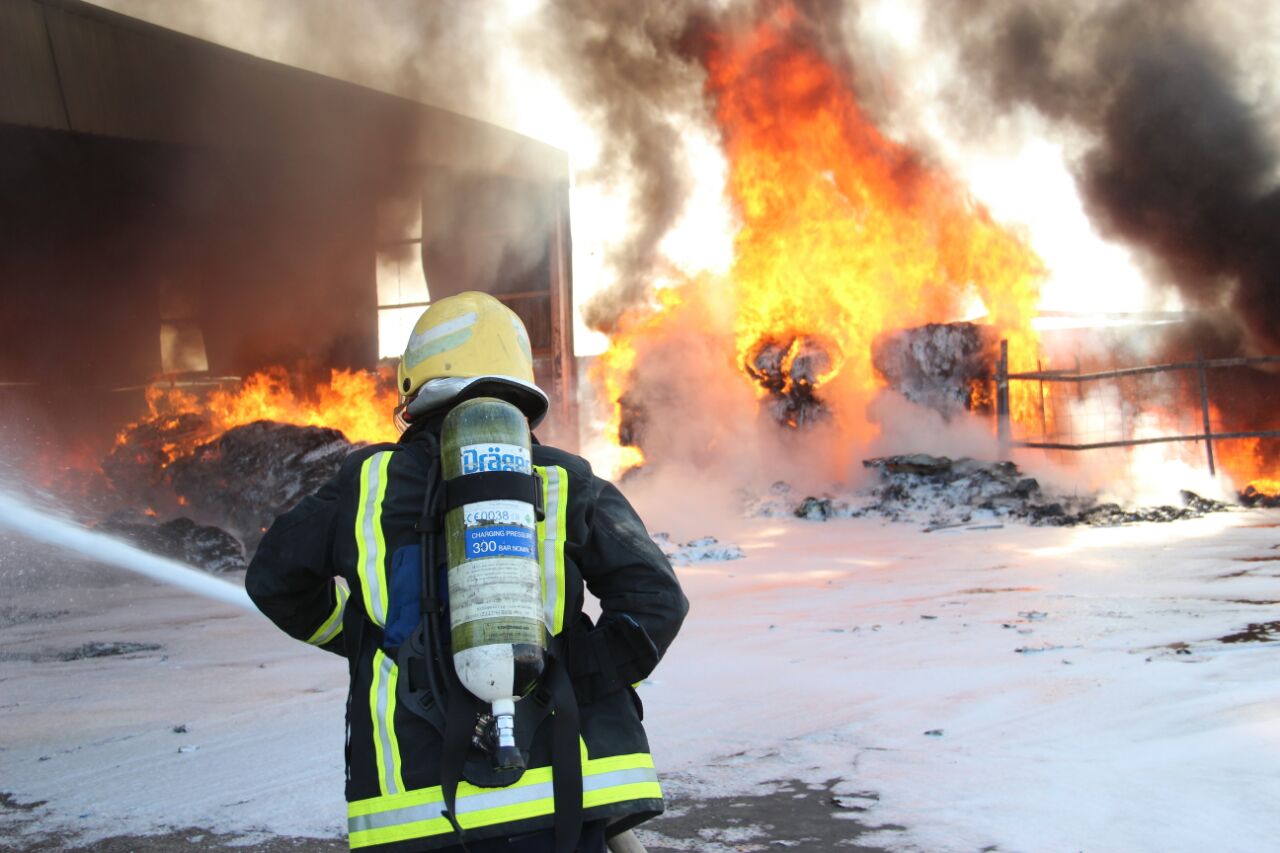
551,538
544,548
332,626
382,709
419,814
371,547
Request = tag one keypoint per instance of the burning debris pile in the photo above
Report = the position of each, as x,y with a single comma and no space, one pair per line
941,492
253,473
1252,497
135,467
239,482
215,471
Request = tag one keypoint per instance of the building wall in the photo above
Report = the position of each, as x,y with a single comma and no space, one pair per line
152,181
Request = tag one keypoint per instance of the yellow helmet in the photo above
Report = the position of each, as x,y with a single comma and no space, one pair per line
468,344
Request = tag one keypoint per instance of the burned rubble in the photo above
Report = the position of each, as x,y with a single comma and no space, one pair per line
202,546
1253,498
85,651
106,649
1255,632
707,549
941,492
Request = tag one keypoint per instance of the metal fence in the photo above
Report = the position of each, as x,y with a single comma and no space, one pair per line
1177,391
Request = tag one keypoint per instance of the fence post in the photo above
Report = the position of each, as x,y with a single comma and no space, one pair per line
1004,431
1204,409
1044,419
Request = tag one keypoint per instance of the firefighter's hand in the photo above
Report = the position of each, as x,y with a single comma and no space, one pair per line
611,656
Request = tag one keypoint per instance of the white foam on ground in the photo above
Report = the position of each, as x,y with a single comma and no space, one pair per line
829,650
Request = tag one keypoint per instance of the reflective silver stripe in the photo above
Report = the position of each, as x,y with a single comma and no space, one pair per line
442,338
388,761
395,817
551,526
493,799
371,569
448,327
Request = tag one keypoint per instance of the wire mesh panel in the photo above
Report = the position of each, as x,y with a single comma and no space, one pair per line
1222,404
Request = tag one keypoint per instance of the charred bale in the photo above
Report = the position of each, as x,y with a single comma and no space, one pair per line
790,370
765,365
938,365
632,422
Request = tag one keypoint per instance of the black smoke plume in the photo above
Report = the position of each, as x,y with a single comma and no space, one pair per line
1177,162
637,70
623,66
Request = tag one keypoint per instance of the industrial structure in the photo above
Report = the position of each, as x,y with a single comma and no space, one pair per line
173,207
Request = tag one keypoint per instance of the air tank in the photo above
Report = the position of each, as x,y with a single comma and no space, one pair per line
495,581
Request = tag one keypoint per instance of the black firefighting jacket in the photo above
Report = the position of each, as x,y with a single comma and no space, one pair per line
360,528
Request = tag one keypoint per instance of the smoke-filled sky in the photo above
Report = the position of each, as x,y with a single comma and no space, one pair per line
1135,142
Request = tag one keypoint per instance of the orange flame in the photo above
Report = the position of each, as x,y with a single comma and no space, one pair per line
1245,462
845,234
354,402
615,364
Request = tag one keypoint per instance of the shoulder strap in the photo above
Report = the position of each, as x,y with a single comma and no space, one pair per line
460,720
566,758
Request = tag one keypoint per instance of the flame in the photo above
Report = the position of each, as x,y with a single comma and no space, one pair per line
354,402
1246,465
616,363
844,233
982,396
1244,460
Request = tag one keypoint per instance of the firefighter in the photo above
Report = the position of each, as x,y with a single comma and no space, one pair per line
408,786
